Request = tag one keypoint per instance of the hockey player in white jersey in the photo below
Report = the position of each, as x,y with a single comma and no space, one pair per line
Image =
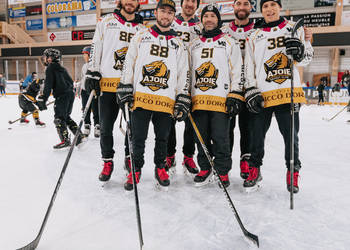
109,46
187,26
268,70
155,83
216,64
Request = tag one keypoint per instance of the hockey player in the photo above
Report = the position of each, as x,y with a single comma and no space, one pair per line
216,64
60,83
26,101
109,46
268,69
155,83
85,97
240,29
186,25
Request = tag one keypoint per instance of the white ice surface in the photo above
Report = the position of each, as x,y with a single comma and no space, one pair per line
86,216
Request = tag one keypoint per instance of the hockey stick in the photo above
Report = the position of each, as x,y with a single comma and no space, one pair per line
12,122
329,119
32,245
131,152
296,26
249,235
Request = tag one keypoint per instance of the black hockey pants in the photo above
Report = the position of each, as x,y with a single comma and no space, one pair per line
93,107
214,127
243,123
189,140
260,124
140,119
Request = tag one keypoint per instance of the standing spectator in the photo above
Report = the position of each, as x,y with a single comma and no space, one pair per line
345,79
320,89
2,85
28,80
336,93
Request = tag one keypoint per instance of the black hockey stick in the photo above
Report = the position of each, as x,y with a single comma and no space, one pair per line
131,152
254,238
329,119
12,122
296,26
32,245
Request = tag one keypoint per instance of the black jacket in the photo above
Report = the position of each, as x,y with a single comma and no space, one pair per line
32,90
58,80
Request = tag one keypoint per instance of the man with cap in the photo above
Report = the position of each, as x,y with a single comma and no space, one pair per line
85,97
268,69
187,26
109,46
216,64
155,84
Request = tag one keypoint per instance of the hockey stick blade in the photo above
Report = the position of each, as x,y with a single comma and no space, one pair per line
297,25
32,245
254,238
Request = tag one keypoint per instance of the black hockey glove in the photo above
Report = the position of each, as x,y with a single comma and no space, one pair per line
125,95
182,107
254,100
92,82
41,103
234,103
295,48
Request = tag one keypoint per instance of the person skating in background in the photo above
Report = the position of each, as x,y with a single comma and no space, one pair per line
268,44
109,47
216,64
60,83
155,82
320,89
28,80
3,83
85,96
26,101
187,26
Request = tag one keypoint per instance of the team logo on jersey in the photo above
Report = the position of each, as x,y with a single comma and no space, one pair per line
206,76
119,58
155,76
277,68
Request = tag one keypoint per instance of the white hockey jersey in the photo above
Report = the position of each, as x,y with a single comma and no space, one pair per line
157,66
267,65
239,33
216,67
186,30
109,47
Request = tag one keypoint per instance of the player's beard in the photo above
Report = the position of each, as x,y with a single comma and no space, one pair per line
242,17
164,24
129,10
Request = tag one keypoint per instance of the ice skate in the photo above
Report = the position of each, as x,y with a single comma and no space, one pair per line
170,166
295,181
189,167
253,182
162,178
107,170
203,178
86,131
128,185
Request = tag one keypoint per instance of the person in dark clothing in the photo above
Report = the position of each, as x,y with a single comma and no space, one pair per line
345,79
60,83
26,101
320,89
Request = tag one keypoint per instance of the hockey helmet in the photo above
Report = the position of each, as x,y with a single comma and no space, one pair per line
86,50
55,54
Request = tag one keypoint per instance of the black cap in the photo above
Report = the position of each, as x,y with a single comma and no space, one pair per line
212,8
169,3
264,1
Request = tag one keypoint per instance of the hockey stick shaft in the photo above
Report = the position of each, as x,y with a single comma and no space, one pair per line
336,114
131,152
12,122
297,25
32,245
249,235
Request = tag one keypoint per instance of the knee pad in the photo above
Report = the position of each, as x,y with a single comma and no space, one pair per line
58,122
23,114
